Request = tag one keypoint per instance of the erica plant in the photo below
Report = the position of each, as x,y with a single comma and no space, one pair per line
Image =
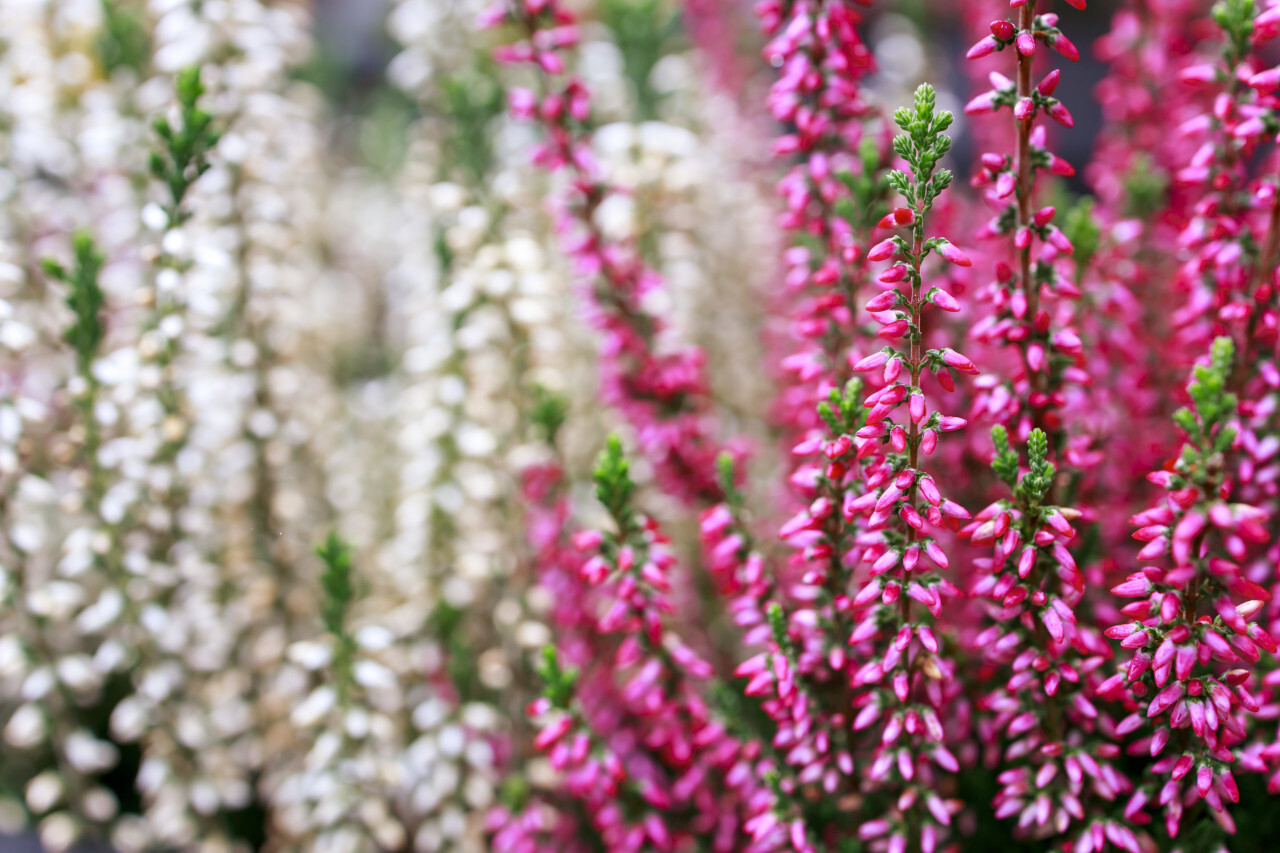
254,290
664,394
853,678
1193,638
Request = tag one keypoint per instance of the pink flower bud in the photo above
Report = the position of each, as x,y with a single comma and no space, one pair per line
1063,45
944,300
955,360
871,362
523,103
1059,113
1006,183
928,441
883,250
899,217
985,47
1050,83
894,274
1026,43
1266,81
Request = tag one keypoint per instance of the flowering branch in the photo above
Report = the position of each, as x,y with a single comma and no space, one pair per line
1019,317
665,396
641,750
834,190
1041,717
1191,615
903,681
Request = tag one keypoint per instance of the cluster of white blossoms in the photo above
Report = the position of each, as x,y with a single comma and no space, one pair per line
288,344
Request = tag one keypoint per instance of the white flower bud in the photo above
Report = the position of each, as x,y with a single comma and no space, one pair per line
77,672
26,728
44,791
310,655
58,832
314,707
99,804
373,675
374,637
87,754
128,720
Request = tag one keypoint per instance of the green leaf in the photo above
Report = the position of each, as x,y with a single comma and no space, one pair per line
550,411
123,41
614,485
558,683
336,583
184,154
1005,463
85,299
726,471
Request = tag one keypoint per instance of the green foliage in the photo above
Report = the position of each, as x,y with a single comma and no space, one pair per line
123,41
85,298
1145,188
614,485
727,475
558,683
336,583
1235,17
1035,485
923,143
1081,228
642,29
868,195
1006,462
1212,404
843,411
384,132
185,153
473,99
550,411
778,627
339,592
1031,487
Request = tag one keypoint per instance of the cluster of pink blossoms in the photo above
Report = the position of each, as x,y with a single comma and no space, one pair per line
1187,711
873,505
663,395
897,648
831,190
640,750
1043,732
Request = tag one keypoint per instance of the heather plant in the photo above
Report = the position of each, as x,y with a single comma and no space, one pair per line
248,300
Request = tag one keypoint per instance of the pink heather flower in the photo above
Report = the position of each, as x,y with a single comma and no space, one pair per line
894,642
953,254
883,250
984,47
664,395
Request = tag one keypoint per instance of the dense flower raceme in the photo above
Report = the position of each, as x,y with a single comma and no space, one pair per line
1049,737
1187,684
832,190
663,394
871,503
1228,277
1054,743
1142,96
1029,294
639,748
546,821
1230,239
